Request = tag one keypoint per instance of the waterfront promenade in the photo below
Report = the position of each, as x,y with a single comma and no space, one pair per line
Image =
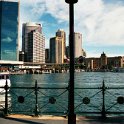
91,79
17,119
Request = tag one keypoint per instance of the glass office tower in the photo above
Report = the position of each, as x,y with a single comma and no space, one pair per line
9,30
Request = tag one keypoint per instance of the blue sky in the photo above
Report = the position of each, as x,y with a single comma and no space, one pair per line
101,22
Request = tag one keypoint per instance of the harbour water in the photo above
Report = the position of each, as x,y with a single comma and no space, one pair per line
51,101
62,79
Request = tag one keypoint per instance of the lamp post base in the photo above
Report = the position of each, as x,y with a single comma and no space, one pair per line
71,118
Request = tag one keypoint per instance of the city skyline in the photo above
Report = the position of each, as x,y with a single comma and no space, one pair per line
99,21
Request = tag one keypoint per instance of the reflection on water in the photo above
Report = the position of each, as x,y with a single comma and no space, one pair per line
58,79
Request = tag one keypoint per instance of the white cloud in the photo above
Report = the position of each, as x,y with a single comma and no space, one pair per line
59,9
55,8
102,24
99,22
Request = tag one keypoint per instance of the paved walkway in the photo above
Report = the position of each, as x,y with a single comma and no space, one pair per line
17,119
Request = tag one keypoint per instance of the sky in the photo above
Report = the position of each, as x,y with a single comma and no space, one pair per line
101,22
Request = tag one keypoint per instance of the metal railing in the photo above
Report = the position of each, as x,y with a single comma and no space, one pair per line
37,100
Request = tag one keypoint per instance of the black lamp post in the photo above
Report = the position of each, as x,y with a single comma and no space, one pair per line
71,1
71,114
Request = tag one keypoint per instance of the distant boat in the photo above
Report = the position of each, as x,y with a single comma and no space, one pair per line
46,72
79,70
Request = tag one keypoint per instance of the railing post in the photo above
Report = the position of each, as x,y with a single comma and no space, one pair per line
103,103
6,98
36,101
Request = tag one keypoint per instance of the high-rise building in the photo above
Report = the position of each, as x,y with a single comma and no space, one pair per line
53,50
78,45
61,33
68,52
78,51
33,42
46,55
9,18
57,47
21,56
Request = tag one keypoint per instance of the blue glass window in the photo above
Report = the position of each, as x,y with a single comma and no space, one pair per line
8,30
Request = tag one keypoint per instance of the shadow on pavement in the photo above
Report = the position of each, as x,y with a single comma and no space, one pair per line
24,121
113,120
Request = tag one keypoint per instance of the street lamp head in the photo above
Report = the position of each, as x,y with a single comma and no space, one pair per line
71,1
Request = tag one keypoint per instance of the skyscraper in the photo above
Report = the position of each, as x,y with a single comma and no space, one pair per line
61,33
47,55
77,44
9,30
33,42
57,47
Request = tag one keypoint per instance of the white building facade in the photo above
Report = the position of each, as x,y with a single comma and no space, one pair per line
33,43
78,45
57,47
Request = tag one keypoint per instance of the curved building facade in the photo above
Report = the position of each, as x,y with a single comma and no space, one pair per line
33,42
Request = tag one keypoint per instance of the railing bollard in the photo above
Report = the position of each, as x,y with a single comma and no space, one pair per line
103,105
6,98
36,102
